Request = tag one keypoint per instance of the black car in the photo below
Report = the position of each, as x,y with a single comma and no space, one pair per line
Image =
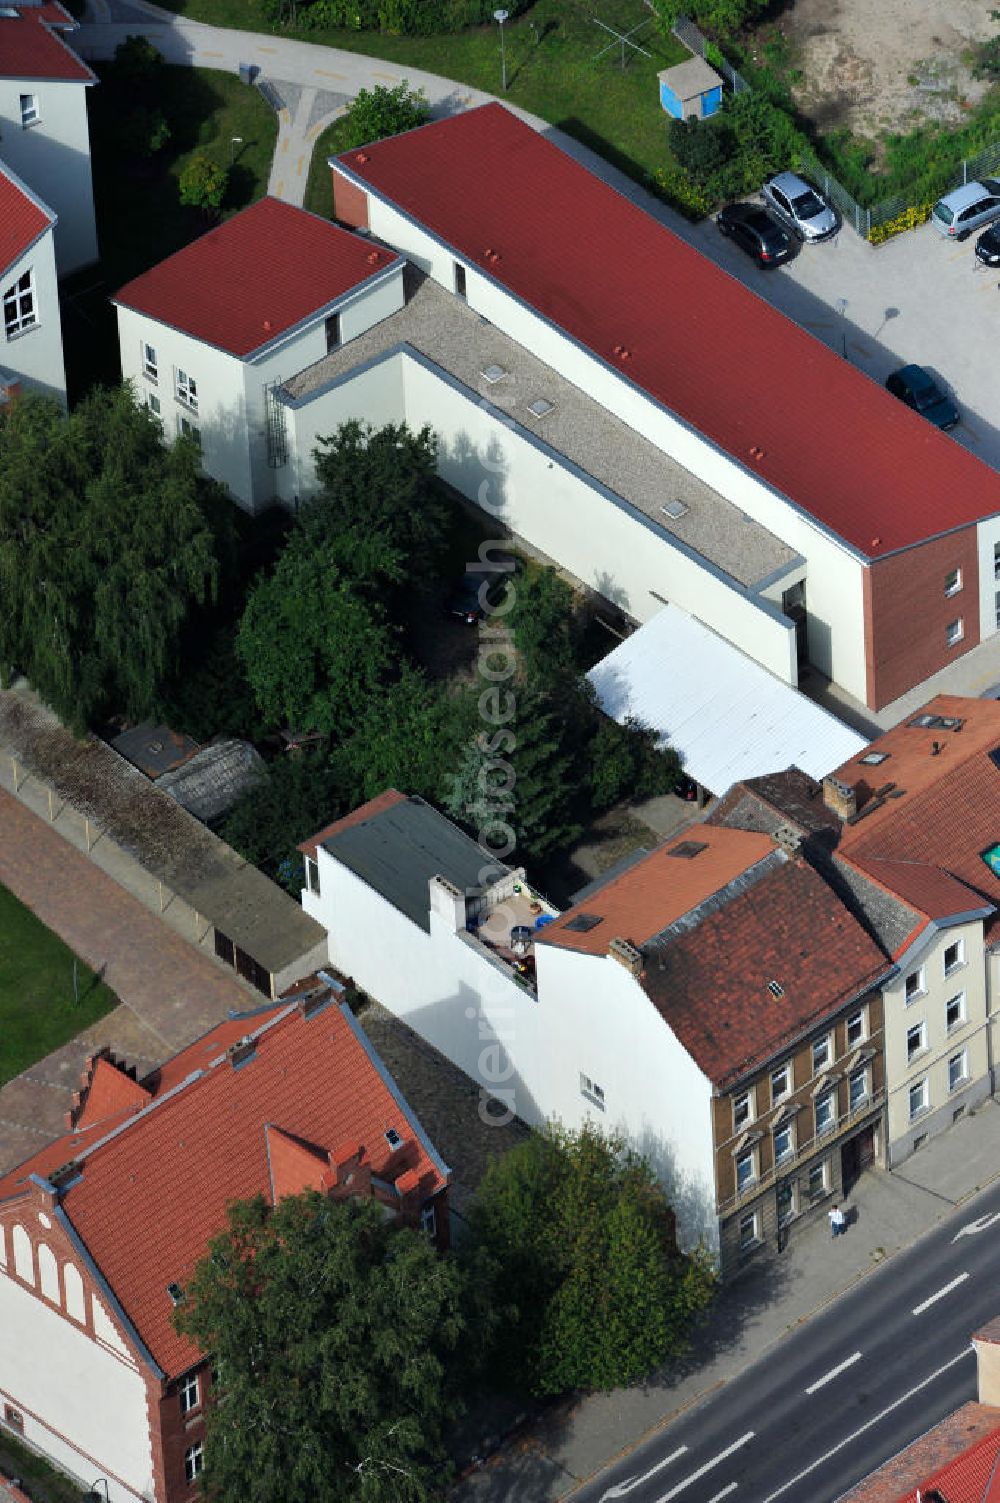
988,245
918,389
481,590
755,232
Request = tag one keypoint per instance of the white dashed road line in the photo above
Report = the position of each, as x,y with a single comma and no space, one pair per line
622,1489
724,1493
834,1372
709,1465
919,1309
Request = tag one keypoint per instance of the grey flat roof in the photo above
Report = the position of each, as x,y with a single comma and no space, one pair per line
449,333
693,76
400,849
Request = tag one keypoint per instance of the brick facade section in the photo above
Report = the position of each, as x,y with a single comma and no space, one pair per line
350,203
906,614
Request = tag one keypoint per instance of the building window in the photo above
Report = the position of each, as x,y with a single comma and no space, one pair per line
858,1088
953,581
312,875
746,1170
781,1083
189,430
915,985
153,403
954,632
428,1221
818,1180
749,1234
916,1040
822,1054
920,1098
187,390
29,110
14,1418
150,367
19,312
784,1144
787,1203
954,1012
592,1090
826,1113
958,1070
194,1461
188,1394
996,603
954,957
332,332
742,1110
857,1032
459,281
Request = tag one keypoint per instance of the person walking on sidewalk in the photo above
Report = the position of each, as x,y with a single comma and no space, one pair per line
837,1221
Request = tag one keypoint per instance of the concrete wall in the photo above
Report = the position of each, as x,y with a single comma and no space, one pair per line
53,157
36,355
930,1008
74,1381
374,396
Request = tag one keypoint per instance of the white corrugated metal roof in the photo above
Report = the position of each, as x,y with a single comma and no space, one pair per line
728,717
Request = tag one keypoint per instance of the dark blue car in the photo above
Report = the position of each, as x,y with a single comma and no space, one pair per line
918,389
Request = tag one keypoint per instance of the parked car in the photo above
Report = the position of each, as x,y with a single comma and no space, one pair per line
918,389
755,232
798,205
480,588
966,208
988,246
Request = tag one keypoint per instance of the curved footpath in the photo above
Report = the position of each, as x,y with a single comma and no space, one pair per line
575,1441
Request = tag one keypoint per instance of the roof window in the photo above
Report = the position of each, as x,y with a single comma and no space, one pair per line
674,509
874,758
992,859
176,1294
392,1137
540,408
776,989
688,849
582,923
936,723
493,374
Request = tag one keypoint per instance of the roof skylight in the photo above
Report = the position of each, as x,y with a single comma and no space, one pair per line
494,373
540,408
674,509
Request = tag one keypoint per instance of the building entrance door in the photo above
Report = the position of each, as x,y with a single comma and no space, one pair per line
857,1155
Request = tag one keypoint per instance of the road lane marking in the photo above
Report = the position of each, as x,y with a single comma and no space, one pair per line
875,1420
622,1489
709,1465
979,1225
834,1372
325,73
919,1309
724,1493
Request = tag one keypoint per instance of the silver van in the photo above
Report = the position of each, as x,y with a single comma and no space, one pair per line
966,208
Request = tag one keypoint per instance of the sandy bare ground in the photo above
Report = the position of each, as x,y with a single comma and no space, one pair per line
886,65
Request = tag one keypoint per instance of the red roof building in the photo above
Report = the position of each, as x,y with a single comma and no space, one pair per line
32,46
23,219
101,1229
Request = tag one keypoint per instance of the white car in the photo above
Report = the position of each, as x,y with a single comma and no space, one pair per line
797,204
966,208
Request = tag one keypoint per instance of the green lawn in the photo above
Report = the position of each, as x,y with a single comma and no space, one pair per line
42,1482
551,67
37,1009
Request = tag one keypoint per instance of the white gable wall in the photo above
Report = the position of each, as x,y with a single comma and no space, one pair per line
53,158
36,355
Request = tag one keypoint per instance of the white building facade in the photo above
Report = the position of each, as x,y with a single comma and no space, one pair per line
31,349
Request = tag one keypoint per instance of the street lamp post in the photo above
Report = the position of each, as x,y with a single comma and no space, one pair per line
842,310
500,17
93,1493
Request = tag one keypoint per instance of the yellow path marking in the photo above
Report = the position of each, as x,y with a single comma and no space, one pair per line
284,144
392,77
205,53
298,166
325,73
267,49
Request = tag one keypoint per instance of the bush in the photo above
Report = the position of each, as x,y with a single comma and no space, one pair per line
203,184
408,17
908,220
687,197
380,112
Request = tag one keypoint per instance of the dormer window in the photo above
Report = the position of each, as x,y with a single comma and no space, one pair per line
19,310
392,1137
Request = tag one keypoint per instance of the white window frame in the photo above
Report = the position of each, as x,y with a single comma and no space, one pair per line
919,987
30,113
913,1051
189,1393
749,1155
826,1045
952,589
793,1202
153,403
150,364
750,1220
961,1018
591,1090
921,1089
958,946
187,429
786,1130
962,1060
861,1073
186,388
783,1071
740,1122
954,632
24,304
823,1166
828,1098
194,1461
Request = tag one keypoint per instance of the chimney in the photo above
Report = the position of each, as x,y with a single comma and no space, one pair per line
788,838
840,797
242,1052
627,955
448,902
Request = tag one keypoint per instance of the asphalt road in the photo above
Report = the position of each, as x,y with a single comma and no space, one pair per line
840,1395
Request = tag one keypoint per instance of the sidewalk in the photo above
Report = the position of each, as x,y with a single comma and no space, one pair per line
551,1460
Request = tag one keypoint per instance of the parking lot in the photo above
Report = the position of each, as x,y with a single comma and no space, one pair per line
918,298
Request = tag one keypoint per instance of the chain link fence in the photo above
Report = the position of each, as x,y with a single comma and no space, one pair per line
861,218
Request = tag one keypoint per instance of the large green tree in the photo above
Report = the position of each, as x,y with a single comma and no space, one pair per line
411,738
106,543
380,112
299,795
333,1331
583,1239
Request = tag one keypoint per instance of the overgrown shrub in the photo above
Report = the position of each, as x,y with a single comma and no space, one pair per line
673,184
908,220
409,17
380,112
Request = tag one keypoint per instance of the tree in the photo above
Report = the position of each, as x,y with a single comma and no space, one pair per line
144,132
136,66
332,1330
300,794
545,624
626,761
411,738
379,112
202,184
314,646
383,483
106,544
583,1240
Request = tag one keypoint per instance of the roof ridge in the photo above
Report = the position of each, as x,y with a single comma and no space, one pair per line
716,901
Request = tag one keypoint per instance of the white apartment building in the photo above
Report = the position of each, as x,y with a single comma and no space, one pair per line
31,352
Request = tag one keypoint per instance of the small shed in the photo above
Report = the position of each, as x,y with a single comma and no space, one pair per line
691,88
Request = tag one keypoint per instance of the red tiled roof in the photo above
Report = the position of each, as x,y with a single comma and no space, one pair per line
22,219
710,984
523,213
657,890
377,805
254,277
926,888
974,1428
150,1196
110,1092
29,48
